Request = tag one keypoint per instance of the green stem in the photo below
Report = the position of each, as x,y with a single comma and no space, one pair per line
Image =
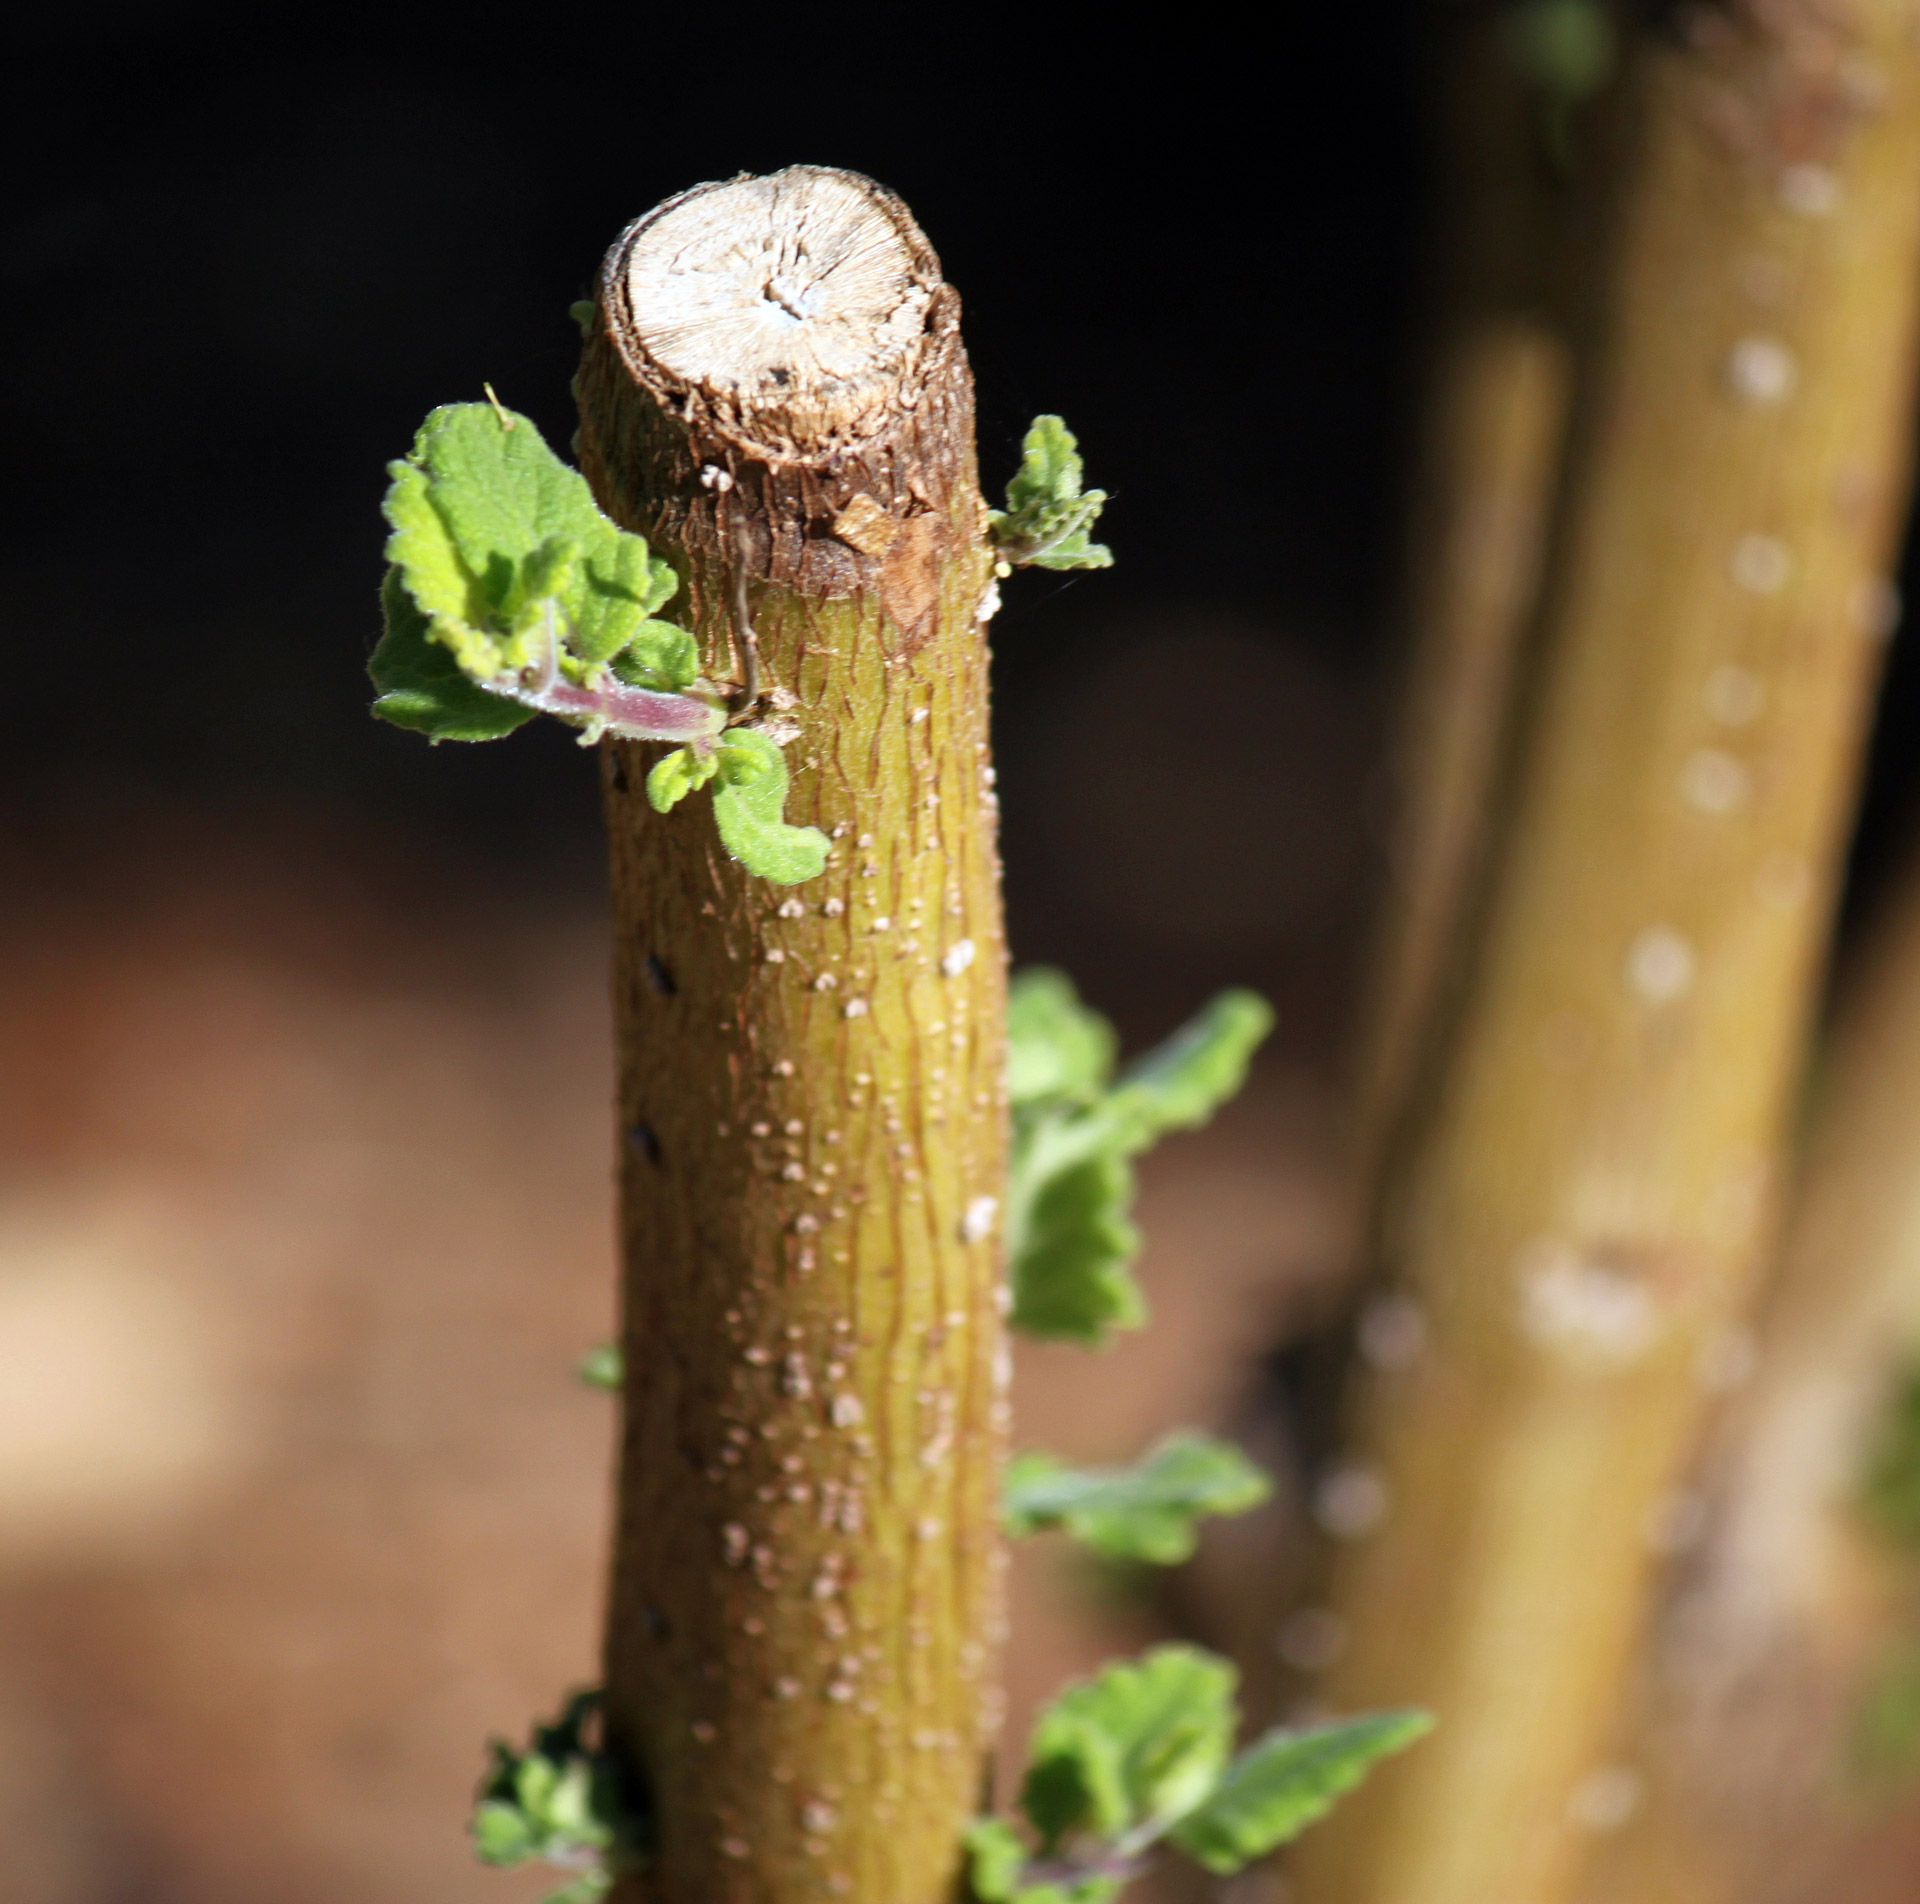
806,1600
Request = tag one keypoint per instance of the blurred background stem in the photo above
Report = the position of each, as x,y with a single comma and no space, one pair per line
1489,447
1579,1213
1791,1605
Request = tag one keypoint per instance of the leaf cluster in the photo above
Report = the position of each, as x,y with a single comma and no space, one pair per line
1075,1130
749,796
1147,1512
557,1801
1141,1754
509,594
492,533
1048,516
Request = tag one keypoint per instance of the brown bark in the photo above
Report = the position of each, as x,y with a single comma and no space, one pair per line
1582,1210
805,1606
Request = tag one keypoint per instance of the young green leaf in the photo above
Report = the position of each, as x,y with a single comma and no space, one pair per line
1121,1756
999,1872
1047,518
421,685
675,775
1073,1247
1056,1047
1284,1782
1180,1084
660,656
588,1888
995,1858
748,800
1070,1241
529,589
1883,1750
482,512
1146,1512
556,1801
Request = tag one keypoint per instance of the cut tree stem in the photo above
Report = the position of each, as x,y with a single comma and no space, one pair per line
1585,1201
806,1603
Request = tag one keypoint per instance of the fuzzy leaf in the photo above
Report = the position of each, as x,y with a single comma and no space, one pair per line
1070,1241
748,800
1056,1047
659,656
1121,1756
1075,1245
1285,1781
999,1873
1146,1512
501,1834
477,510
421,686
530,591
995,1856
1047,518
675,775
553,1801
1180,1084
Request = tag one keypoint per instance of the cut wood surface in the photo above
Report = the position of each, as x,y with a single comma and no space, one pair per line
1581,1214
806,1604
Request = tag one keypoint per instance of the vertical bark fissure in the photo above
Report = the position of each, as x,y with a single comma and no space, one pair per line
1582,1209
805,1603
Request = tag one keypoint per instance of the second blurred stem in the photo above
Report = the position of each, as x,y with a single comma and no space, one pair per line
1494,420
1575,1212
1790,1611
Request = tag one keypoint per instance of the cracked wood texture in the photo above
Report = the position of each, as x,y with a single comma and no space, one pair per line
806,1602
1585,1202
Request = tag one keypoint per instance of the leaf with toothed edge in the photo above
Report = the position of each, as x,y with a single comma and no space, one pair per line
659,656
535,596
511,594
1142,1754
1146,1512
420,683
1120,1756
1069,1238
1056,1047
1048,516
1285,1781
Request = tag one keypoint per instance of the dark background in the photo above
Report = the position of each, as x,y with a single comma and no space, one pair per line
239,269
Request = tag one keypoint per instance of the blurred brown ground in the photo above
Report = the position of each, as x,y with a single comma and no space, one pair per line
304,1220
